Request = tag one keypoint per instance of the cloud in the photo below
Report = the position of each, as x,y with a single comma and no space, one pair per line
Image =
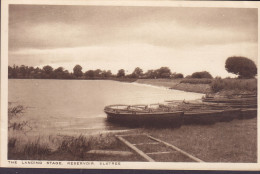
73,26
171,34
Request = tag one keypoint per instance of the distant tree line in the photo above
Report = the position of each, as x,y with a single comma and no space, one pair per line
241,66
48,72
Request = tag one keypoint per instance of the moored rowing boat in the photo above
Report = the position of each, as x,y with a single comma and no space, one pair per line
143,115
168,115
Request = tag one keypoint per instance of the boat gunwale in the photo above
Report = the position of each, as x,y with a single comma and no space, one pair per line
143,113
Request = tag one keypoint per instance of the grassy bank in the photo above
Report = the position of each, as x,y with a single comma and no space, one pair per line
234,141
64,148
234,85
217,85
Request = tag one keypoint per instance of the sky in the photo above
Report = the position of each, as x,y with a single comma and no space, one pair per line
185,39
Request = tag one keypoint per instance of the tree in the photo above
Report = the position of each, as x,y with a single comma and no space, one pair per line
137,73
164,72
31,72
150,74
47,72
106,74
59,73
59,70
12,71
77,71
241,66
23,71
37,73
202,74
178,76
47,69
90,74
121,73
98,73
67,75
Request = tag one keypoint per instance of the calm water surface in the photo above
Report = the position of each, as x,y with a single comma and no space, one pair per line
76,106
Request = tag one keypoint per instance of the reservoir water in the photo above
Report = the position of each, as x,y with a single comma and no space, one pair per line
76,106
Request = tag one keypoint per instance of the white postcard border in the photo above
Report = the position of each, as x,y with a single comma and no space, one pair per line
105,164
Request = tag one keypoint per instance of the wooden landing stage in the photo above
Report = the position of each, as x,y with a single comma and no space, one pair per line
152,149
218,109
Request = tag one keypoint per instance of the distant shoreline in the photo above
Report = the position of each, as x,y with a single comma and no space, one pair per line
176,85
168,83
202,86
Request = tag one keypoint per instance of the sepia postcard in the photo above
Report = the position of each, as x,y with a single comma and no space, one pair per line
166,85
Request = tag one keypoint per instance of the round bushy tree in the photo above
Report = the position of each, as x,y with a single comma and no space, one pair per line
137,73
164,72
178,76
90,74
202,74
121,73
241,66
48,69
77,70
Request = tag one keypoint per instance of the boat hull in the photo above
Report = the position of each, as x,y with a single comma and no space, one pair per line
248,113
139,115
146,119
210,116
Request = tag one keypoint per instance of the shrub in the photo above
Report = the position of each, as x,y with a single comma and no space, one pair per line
16,124
14,110
217,85
36,149
11,142
178,76
196,81
249,85
202,74
75,145
241,66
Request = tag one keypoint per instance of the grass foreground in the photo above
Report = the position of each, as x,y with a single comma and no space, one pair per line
234,141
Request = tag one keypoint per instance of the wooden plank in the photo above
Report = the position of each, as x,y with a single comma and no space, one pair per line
126,135
139,144
156,153
109,152
177,149
141,153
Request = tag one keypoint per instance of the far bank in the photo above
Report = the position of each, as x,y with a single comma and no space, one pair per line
228,86
176,84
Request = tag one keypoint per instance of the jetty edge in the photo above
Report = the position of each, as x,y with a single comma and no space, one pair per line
177,112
